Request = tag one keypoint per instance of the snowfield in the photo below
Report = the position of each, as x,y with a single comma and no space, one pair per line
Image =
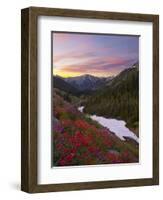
81,108
116,126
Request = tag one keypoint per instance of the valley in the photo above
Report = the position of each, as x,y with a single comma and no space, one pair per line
96,119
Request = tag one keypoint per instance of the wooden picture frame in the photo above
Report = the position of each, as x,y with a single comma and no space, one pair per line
29,114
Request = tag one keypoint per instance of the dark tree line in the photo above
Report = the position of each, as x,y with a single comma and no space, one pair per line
118,100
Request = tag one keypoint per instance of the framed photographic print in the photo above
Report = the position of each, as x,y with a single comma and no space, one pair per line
90,100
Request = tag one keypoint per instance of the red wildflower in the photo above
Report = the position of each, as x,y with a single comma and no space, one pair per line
113,157
81,124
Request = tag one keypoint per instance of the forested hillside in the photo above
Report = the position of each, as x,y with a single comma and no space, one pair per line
119,99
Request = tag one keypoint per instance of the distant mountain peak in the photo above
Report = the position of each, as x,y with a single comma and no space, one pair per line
87,82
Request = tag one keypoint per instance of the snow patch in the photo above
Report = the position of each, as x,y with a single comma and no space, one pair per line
116,126
81,108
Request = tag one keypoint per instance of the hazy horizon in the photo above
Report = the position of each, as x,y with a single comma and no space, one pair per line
81,75
76,54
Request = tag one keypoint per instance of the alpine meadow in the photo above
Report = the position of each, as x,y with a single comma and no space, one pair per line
95,99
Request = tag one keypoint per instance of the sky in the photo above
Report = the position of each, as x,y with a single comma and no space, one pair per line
76,54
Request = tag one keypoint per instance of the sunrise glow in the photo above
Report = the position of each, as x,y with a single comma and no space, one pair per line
76,54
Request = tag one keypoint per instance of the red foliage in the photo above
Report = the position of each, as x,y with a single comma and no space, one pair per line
81,124
79,142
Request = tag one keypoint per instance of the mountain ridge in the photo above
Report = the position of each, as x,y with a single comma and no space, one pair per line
87,82
119,99
60,83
